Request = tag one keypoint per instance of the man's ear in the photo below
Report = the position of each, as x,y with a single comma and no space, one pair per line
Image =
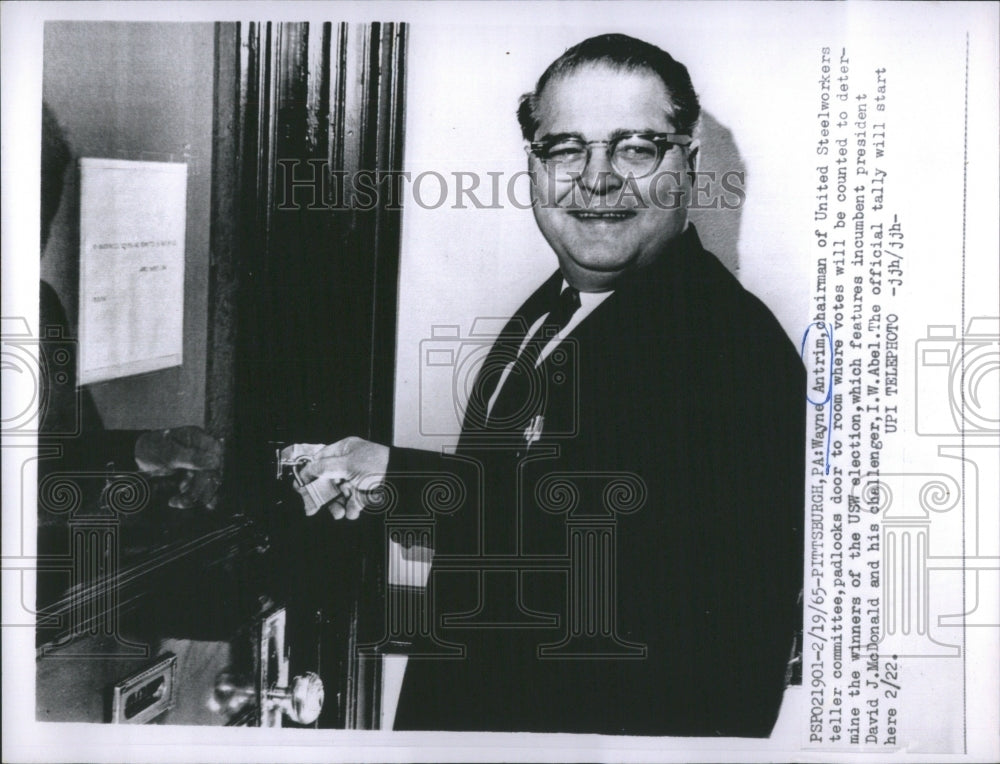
693,154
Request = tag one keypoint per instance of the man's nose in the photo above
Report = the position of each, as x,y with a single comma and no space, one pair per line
599,176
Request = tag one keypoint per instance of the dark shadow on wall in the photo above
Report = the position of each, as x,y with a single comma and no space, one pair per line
719,228
137,91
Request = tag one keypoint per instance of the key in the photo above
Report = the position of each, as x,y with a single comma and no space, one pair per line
315,494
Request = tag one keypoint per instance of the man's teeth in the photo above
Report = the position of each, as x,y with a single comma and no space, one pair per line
602,215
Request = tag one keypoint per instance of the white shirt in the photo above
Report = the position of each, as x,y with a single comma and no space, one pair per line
588,302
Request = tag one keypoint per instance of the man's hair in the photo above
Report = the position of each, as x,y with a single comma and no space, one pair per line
623,53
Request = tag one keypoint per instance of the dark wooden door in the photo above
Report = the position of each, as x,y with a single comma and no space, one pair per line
304,298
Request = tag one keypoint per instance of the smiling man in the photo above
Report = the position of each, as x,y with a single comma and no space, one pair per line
604,143
625,552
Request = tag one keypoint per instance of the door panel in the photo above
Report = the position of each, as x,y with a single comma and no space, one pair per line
314,337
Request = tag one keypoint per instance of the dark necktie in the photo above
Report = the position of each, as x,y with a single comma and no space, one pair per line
522,395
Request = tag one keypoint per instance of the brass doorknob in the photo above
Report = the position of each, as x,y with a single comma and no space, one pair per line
302,701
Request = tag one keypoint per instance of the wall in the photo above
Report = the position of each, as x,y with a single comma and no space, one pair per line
143,92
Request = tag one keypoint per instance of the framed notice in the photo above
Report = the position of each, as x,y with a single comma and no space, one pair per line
132,222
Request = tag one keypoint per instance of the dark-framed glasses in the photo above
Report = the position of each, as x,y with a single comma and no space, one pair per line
632,154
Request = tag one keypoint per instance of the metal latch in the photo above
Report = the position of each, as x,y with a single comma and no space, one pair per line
144,696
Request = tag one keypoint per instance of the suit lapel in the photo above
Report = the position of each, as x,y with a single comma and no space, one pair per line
504,350
642,312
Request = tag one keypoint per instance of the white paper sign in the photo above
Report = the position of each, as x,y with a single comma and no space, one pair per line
132,218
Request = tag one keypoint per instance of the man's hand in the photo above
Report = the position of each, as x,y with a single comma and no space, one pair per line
355,466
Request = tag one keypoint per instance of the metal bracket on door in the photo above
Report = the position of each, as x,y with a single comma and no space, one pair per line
302,698
273,664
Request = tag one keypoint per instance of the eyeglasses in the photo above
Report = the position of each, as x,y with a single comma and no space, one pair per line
632,154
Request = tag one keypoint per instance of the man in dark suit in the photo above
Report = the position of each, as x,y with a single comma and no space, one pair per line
626,553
